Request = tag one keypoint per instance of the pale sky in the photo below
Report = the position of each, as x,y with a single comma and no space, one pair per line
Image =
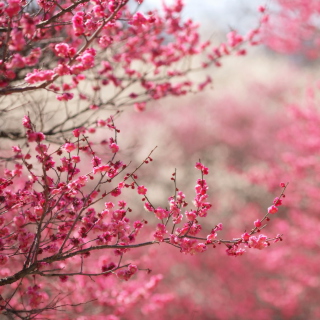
238,14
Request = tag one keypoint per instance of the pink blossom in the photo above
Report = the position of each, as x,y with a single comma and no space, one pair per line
26,122
160,232
62,50
245,237
35,136
65,96
177,219
76,159
277,202
78,23
219,227
69,147
62,69
41,148
258,242
39,75
109,205
17,61
77,132
235,251
201,167
116,192
19,220
211,237
16,149
159,212
105,41
200,247
128,273
107,268
142,190
272,209
191,215
114,147
234,39
140,106
38,211
96,161
257,223
13,8
52,248
101,168
18,41
138,19
94,194
101,123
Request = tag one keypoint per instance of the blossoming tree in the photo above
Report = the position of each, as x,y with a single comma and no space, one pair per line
283,283
65,212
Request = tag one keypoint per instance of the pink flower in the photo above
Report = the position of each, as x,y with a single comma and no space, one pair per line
177,219
105,41
16,149
116,192
160,212
26,122
13,8
78,23
191,215
68,147
35,136
235,251
114,147
62,50
139,106
38,211
148,207
39,75
94,194
19,220
109,205
65,96
257,223
200,247
96,161
102,168
273,209
76,159
62,69
245,237
108,267
258,242
78,131
211,237
277,202
201,167
142,190
138,19
101,123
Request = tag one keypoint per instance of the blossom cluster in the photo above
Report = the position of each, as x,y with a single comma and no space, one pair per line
54,215
107,38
